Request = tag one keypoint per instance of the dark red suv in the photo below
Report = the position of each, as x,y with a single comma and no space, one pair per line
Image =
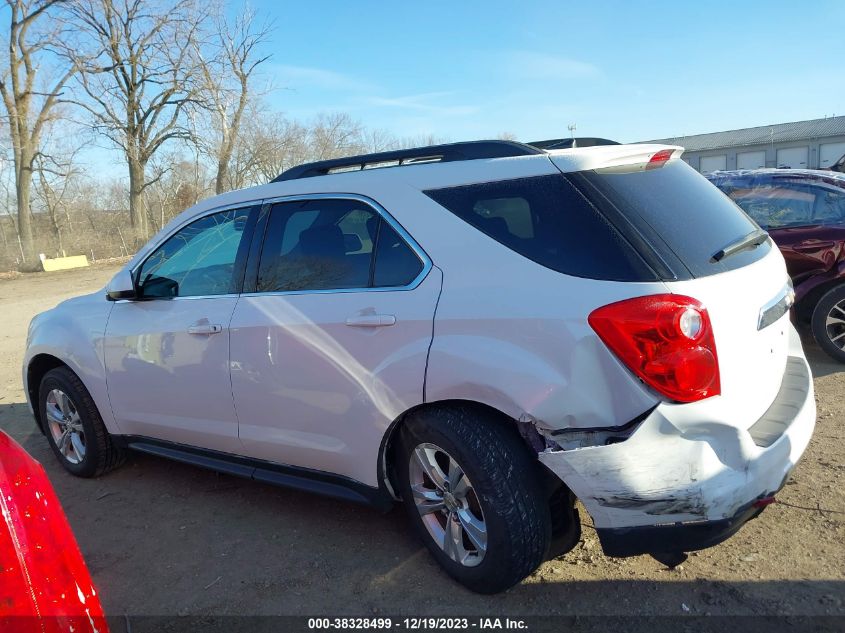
804,212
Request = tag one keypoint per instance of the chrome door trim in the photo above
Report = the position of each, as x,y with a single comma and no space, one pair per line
228,295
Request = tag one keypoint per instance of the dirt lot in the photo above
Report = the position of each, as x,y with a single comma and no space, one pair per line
162,538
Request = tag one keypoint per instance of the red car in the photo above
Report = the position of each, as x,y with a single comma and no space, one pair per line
804,212
44,583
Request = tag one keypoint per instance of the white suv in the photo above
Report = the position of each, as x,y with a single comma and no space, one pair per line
487,331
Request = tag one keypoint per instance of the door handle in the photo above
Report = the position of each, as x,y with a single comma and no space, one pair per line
812,246
205,328
371,320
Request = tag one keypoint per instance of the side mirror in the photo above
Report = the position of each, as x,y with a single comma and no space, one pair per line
121,286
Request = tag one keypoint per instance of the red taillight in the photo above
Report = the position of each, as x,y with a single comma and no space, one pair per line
666,340
659,158
44,583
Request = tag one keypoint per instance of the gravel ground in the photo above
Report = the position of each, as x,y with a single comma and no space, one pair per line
162,538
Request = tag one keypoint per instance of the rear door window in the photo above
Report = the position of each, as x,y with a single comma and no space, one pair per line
332,244
549,221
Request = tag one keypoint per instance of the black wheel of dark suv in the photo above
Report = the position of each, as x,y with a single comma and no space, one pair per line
475,495
74,427
828,323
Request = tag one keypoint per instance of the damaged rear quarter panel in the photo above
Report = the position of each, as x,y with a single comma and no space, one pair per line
514,335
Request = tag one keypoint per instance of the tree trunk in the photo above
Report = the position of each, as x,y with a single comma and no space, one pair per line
224,155
222,175
23,186
137,211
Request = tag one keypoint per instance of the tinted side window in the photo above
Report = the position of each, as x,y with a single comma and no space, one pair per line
198,260
317,245
332,245
396,264
547,220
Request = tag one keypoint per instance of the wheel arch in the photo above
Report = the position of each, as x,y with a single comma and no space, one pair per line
36,369
566,526
807,303
386,474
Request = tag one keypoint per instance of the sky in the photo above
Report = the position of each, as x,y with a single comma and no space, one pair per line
628,71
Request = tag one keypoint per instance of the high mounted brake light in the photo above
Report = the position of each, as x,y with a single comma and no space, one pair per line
666,340
659,159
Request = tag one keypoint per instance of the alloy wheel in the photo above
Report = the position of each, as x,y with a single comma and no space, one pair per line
448,504
835,325
65,426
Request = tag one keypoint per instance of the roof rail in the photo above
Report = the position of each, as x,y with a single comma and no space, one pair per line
469,150
567,143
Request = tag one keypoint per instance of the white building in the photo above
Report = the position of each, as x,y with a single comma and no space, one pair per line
814,144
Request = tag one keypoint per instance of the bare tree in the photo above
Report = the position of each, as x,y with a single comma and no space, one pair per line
379,140
422,140
178,184
227,78
138,79
28,103
270,144
55,171
334,135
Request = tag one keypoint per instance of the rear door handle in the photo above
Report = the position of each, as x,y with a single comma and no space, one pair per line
205,328
371,320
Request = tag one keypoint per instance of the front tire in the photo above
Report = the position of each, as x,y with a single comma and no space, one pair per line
828,323
474,494
74,427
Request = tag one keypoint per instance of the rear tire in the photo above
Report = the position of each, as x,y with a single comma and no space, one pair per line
493,507
74,427
828,323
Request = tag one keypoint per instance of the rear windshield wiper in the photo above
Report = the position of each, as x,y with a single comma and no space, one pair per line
752,240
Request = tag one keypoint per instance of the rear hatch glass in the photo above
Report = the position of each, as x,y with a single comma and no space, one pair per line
680,214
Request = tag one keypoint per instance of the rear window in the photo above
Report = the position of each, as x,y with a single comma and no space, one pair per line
547,220
678,211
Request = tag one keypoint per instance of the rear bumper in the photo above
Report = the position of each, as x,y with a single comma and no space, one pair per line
680,537
689,481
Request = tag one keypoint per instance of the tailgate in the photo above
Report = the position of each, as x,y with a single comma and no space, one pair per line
752,359
702,245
